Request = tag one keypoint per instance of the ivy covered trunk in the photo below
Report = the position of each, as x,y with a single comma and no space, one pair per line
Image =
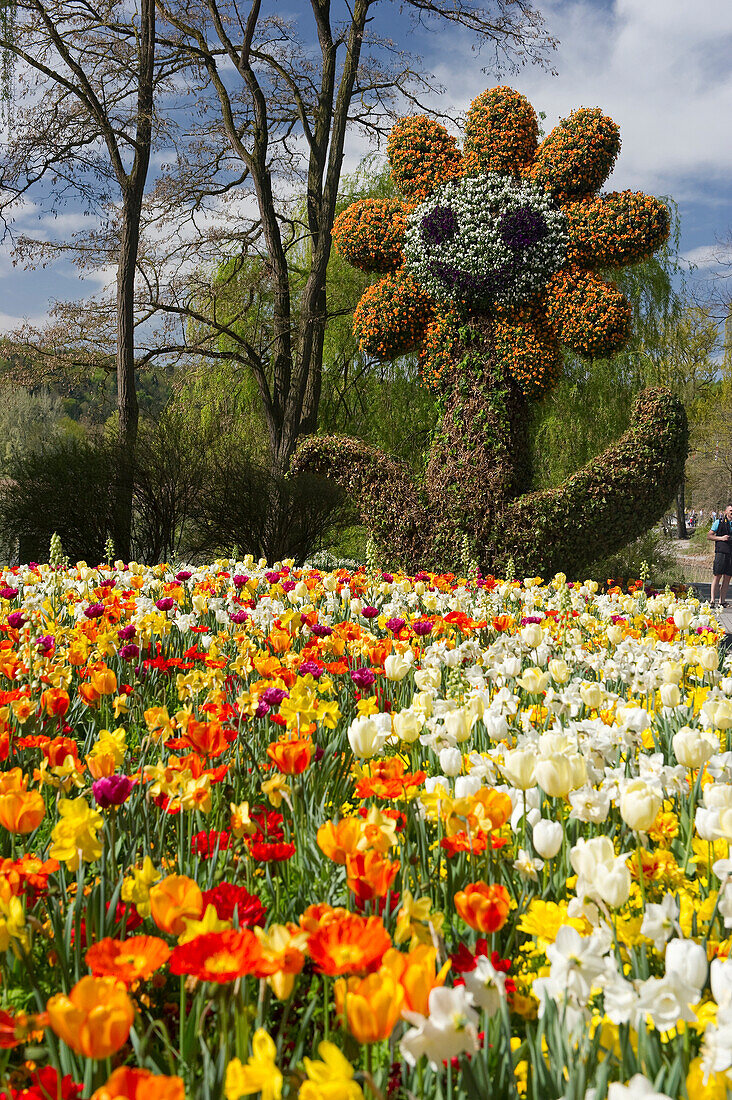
480,458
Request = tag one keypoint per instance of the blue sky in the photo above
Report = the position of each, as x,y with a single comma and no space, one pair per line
661,68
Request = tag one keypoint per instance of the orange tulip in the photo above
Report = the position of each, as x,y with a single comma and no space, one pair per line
482,906
21,811
416,974
496,806
339,841
369,875
291,755
89,694
14,780
104,681
102,764
140,1084
279,641
174,901
95,1018
56,701
370,1007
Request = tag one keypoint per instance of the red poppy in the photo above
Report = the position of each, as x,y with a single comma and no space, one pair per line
229,899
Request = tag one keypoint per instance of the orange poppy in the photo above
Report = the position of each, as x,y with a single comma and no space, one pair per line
348,944
130,960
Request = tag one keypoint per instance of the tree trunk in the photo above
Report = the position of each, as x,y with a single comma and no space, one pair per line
133,192
681,511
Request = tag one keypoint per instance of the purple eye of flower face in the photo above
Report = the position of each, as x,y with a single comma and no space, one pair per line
521,228
438,226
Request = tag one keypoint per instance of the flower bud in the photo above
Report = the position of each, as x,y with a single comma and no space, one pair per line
547,837
687,959
639,805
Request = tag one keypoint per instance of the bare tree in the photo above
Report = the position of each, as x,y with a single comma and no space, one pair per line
83,128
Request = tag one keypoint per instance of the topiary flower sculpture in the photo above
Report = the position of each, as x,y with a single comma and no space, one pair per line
490,266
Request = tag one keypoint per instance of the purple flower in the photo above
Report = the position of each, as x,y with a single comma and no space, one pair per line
184,575
273,696
108,582
8,593
438,226
94,611
387,577
370,612
532,619
46,643
422,627
617,619
129,652
262,710
395,625
363,677
239,617
165,603
126,633
287,586
113,790
310,667
240,579
272,578
16,619
522,228
321,631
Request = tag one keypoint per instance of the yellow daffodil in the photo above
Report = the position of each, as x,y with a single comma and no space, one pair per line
260,1074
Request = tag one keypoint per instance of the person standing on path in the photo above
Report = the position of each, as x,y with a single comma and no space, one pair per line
721,535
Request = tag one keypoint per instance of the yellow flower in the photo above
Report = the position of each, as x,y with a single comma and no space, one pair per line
241,823
331,1078
543,919
369,705
158,722
276,789
12,921
415,922
74,837
136,888
260,1074
209,922
328,713
120,705
717,1084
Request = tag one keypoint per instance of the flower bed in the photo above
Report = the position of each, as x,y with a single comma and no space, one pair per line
282,832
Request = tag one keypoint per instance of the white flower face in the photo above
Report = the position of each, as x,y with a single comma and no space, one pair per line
485,240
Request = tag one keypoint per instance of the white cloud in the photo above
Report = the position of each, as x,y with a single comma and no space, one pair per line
660,68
